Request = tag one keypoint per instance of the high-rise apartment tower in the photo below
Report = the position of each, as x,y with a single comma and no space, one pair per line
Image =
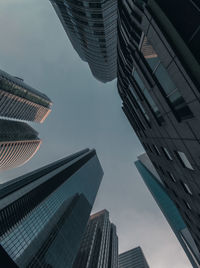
92,29
158,81
43,214
18,143
20,101
99,246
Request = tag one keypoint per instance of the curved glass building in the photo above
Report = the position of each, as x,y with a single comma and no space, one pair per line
92,29
18,144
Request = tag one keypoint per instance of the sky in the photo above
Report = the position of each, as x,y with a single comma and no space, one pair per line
85,113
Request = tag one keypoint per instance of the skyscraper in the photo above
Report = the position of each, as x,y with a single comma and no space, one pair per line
158,81
92,29
168,208
133,258
99,246
18,143
43,214
20,101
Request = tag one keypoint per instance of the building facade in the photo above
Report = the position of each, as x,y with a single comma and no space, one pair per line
43,214
99,246
92,29
158,81
18,144
133,258
20,101
168,208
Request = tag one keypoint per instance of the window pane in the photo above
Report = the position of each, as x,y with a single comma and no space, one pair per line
184,160
138,80
164,79
179,105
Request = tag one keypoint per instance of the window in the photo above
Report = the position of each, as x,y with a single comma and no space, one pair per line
171,176
166,153
156,149
148,98
186,188
169,89
187,205
184,160
139,104
172,94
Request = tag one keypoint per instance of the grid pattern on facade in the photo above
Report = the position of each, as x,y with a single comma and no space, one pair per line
92,29
133,258
168,208
53,211
173,142
16,153
99,246
20,101
18,143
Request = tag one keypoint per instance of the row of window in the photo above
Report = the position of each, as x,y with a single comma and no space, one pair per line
167,86
180,155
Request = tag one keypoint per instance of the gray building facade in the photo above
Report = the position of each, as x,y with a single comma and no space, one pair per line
99,246
18,144
43,214
92,29
20,101
133,258
158,81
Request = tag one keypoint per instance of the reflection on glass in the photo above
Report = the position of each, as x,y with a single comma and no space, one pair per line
44,213
18,144
171,92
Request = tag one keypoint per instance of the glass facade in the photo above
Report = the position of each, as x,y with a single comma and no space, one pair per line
133,258
99,246
92,29
169,209
44,225
167,86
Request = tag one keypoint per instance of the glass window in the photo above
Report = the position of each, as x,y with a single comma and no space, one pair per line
167,154
156,149
164,79
184,160
172,94
186,188
148,97
171,176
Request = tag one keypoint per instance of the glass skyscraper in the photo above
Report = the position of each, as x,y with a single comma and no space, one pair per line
99,246
92,29
133,258
168,208
43,214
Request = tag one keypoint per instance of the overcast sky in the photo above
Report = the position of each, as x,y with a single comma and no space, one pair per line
86,113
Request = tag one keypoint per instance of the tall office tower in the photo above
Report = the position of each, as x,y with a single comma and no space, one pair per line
92,29
43,214
99,246
168,208
133,258
20,101
18,144
158,81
